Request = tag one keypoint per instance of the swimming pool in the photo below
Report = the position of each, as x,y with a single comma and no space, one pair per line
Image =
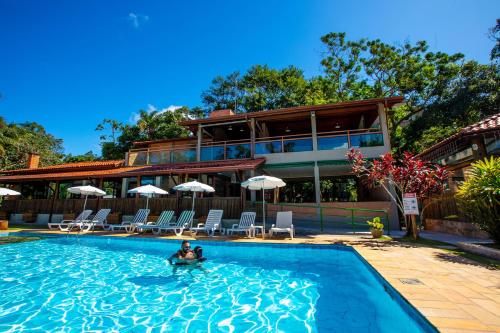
125,285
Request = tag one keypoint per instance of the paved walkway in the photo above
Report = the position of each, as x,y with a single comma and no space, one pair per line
452,239
454,293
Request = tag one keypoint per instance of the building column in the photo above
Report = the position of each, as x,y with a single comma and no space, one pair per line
253,194
125,182
158,181
382,116
317,186
198,143
313,131
252,137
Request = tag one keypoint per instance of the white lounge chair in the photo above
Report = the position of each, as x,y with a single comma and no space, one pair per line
247,221
183,222
98,221
211,225
66,223
140,218
283,224
163,221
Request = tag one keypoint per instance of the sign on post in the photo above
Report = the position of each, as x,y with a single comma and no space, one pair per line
410,204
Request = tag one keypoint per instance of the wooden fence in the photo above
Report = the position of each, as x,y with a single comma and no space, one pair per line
127,206
442,207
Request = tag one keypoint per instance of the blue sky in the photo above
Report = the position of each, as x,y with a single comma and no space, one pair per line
69,64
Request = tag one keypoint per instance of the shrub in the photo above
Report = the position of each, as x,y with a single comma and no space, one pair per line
479,196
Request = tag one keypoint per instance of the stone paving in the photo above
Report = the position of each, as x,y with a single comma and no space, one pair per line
454,293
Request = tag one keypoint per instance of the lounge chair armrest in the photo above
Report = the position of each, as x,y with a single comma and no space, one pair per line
200,225
273,225
235,226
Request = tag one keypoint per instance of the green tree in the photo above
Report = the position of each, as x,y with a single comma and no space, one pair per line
494,35
266,88
18,140
150,125
224,92
87,157
260,88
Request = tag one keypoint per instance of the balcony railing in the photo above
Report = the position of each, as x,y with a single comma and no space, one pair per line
226,150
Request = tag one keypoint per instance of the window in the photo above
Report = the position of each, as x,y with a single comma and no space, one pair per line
339,189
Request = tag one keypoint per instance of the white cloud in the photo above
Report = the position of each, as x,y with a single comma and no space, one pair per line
137,19
134,117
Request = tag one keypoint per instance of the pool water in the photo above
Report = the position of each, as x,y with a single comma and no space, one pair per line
89,283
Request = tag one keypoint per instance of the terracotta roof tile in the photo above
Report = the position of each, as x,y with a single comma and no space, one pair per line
491,123
132,171
69,166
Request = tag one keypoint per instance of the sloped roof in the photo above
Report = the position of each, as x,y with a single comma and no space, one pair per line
389,101
92,165
133,171
491,123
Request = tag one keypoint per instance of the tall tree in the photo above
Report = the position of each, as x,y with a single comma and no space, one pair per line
225,92
494,35
18,140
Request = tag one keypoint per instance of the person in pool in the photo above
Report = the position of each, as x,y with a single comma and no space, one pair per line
187,256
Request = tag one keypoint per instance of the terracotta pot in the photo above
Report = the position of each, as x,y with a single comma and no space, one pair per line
29,217
4,224
377,233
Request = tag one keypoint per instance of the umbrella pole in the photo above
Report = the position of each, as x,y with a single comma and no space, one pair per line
85,202
263,213
147,201
192,207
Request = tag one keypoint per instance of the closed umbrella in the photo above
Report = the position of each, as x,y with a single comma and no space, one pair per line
263,183
86,190
194,187
148,190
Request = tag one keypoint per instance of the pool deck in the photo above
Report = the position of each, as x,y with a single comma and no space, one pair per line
455,294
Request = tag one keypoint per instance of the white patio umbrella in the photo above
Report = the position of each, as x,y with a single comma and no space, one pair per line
86,190
263,183
194,187
5,191
148,190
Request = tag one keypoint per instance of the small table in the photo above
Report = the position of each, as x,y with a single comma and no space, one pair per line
253,231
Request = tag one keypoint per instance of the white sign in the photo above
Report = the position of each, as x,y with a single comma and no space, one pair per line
410,204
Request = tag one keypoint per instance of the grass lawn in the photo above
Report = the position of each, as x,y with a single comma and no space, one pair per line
492,263
19,227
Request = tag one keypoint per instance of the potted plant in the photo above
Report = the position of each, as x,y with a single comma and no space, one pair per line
376,227
4,220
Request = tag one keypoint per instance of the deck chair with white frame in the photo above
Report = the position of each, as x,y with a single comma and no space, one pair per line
283,224
247,221
65,225
211,225
183,223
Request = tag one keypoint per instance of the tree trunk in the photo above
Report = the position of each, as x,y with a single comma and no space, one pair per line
411,229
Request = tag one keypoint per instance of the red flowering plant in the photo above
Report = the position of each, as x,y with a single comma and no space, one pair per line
408,175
